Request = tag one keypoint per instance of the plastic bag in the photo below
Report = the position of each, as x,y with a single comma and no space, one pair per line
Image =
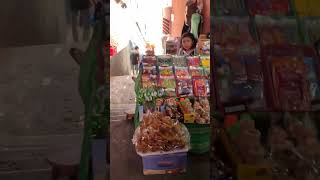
166,72
160,134
182,73
179,61
165,60
184,87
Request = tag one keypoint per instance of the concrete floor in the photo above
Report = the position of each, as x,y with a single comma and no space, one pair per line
40,109
125,163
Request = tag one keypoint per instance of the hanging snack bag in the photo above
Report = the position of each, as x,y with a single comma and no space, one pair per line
194,61
166,72
165,60
182,72
196,71
169,86
200,87
184,87
179,61
205,61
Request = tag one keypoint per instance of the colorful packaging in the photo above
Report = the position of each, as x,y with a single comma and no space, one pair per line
205,61
169,86
182,72
290,83
194,61
166,72
184,87
179,61
206,72
234,33
151,71
200,87
196,71
165,60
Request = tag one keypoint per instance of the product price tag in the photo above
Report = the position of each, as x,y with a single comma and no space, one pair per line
189,118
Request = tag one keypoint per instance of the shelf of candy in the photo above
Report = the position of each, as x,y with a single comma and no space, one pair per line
179,61
164,60
182,72
281,30
166,72
184,87
201,87
196,71
169,86
158,134
269,7
229,8
194,61
234,33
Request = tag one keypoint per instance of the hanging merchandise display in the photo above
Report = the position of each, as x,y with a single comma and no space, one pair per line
229,8
292,73
280,30
239,81
269,7
234,33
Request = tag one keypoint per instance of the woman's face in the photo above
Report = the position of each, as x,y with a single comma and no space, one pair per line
187,43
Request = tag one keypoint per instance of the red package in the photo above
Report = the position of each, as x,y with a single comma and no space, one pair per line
200,87
290,83
194,61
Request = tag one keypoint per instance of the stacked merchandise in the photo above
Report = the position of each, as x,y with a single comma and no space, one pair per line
173,110
266,63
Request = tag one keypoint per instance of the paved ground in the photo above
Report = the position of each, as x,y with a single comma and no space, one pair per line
40,109
125,163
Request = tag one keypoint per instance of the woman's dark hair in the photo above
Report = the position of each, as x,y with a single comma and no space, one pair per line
191,36
136,47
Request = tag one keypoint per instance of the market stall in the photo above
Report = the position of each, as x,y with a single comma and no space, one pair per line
172,92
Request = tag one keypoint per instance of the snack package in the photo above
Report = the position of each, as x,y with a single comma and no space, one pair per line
182,72
148,80
179,61
205,61
158,133
172,46
149,60
151,71
203,46
206,72
202,111
196,71
200,87
171,109
186,106
193,61
169,86
228,8
184,87
277,31
269,7
234,33
165,60
290,83
166,72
